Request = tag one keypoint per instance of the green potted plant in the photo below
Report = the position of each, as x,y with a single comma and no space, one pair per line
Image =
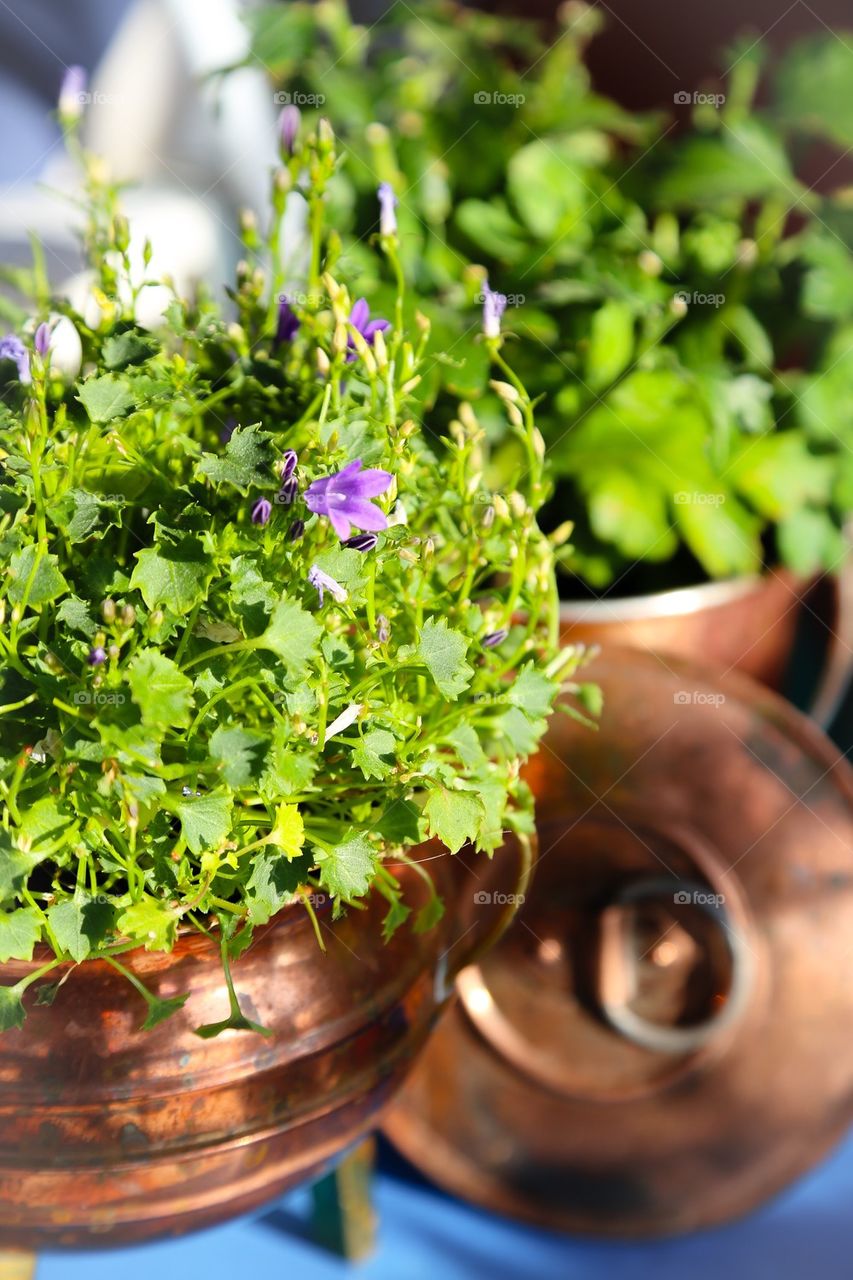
267,662
671,277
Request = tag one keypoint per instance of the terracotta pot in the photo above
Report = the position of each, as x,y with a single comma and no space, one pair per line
110,1135
748,624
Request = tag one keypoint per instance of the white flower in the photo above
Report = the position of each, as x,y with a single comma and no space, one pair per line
344,720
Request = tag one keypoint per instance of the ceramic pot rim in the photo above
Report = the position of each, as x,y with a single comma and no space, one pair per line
666,604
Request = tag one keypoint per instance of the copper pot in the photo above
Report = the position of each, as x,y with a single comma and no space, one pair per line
109,1135
745,623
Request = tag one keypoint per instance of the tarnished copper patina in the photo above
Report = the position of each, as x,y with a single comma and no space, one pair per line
110,1135
747,623
661,1040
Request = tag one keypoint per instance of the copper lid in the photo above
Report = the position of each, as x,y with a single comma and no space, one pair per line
662,1039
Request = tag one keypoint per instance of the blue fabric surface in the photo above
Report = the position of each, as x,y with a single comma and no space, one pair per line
805,1234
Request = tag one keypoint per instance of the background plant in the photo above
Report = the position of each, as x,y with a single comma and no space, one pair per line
684,298
256,635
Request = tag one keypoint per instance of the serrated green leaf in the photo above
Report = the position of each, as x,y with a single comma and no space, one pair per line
151,923
106,397
11,1008
172,576
122,349
240,754
79,926
443,651
347,870
34,578
274,880
292,634
160,689
453,816
246,462
20,930
367,755
533,692
205,820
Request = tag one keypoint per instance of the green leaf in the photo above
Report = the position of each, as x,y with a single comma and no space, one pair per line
11,1008
632,514
160,689
127,348
79,926
547,189
778,474
34,578
272,884
77,514
453,816
106,397
205,820
20,930
348,869
74,614
813,87
489,225
808,540
533,692
240,754
723,536
173,576
159,1010
151,923
611,344
400,823
745,162
292,634
15,867
370,750
247,461
443,651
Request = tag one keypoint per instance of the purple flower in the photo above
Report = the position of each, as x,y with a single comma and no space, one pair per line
72,93
325,582
383,629
362,542
261,511
288,129
494,638
41,342
360,320
287,325
387,205
97,656
494,305
11,348
286,495
344,496
289,460
296,530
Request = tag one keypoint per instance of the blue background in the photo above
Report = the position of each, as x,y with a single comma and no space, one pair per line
424,1235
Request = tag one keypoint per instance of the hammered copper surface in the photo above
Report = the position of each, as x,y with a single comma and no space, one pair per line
109,1135
748,624
681,1083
